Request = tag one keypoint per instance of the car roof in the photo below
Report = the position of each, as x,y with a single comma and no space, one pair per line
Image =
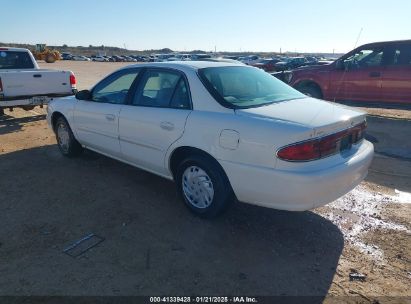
383,43
6,48
186,65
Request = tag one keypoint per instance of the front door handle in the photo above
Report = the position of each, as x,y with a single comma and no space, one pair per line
110,117
166,125
375,74
37,75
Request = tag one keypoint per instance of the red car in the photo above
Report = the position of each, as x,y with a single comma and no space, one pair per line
376,72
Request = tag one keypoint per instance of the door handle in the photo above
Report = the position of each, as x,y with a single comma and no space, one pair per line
110,117
37,75
375,74
166,125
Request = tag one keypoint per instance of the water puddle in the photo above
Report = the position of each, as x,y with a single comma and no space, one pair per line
359,212
403,197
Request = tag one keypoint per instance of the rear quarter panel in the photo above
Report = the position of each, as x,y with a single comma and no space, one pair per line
258,139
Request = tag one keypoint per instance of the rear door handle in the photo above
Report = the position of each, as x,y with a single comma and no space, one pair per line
375,74
110,117
37,75
166,125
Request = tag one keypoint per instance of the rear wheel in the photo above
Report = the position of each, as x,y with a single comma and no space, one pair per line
67,144
311,91
203,186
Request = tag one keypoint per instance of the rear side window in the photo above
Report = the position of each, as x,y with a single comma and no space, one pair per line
15,60
163,89
181,97
402,55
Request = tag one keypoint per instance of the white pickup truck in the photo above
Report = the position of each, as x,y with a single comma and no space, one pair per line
23,84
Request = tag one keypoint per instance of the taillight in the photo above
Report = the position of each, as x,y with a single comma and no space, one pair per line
324,146
1,87
305,151
73,80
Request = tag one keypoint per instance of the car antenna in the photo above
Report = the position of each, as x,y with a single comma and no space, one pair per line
345,71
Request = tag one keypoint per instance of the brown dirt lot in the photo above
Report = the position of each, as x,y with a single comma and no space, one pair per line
153,245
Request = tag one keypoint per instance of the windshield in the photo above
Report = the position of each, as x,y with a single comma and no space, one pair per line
245,87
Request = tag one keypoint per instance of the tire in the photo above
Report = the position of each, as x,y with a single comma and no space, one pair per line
203,186
66,142
50,58
311,91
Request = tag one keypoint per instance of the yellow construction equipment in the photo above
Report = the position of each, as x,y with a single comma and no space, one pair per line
46,54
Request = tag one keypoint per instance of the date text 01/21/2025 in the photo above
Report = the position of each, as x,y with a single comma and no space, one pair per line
203,300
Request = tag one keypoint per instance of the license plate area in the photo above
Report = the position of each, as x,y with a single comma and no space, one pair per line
38,100
346,143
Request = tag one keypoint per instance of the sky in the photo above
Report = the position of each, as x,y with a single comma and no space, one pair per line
225,25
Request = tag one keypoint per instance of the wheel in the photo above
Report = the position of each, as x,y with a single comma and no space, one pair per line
203,186
311,91
50,58
66,142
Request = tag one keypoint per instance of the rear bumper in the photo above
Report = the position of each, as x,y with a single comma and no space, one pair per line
33,100
298,191
30,97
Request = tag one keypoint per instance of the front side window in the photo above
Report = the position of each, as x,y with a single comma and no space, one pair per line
245,87
114,89
369,57
165,89
15,60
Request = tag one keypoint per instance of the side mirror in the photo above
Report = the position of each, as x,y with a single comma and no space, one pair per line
83,95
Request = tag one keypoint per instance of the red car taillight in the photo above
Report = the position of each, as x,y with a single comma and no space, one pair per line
317,148
73,80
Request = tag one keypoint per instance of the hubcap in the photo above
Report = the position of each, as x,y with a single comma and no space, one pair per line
63,137
197,187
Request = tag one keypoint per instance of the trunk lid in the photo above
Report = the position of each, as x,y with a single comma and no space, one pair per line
321,116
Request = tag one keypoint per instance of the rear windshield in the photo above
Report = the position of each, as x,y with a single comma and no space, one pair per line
15,60
245,87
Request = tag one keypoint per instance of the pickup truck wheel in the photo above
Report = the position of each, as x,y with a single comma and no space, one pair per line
311,91
203,186
66,142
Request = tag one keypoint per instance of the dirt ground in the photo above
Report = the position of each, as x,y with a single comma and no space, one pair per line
154,246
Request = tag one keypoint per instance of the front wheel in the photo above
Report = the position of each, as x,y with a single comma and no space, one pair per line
66,142
203,186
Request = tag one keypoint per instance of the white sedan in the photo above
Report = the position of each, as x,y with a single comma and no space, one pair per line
221,131
80,58
99,59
